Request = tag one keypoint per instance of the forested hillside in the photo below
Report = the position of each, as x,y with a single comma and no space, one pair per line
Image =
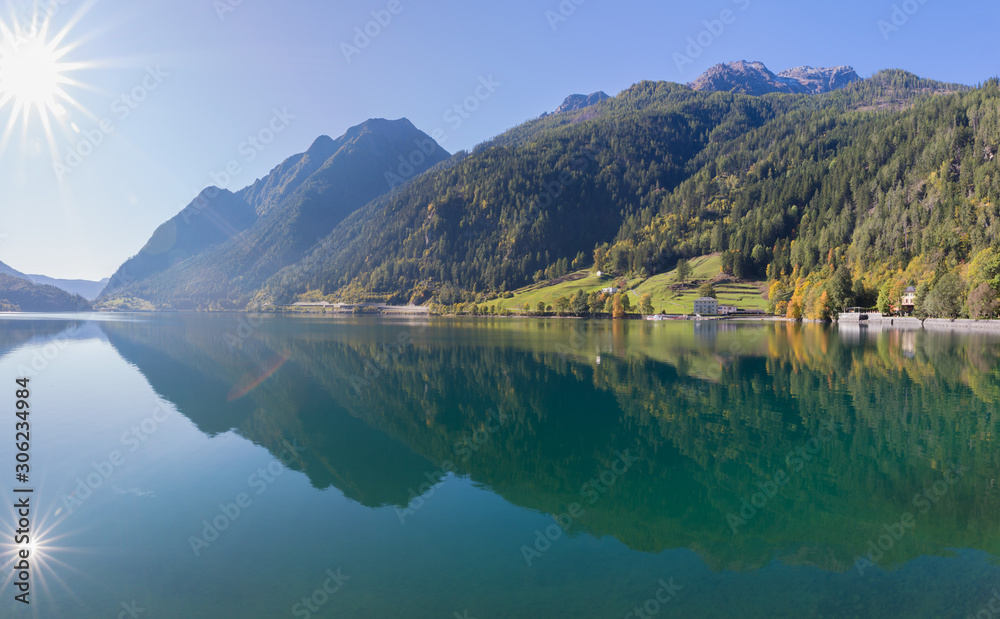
893,172
20,295
521,209
836,199
851,204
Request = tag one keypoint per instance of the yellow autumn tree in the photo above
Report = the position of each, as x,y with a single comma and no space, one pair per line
796,307
822,309
617,307
794,311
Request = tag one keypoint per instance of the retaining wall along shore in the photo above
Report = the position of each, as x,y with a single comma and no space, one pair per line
905,322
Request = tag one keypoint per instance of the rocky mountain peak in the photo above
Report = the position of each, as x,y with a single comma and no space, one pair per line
754,78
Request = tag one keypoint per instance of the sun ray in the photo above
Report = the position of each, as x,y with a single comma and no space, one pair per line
35,76
51,541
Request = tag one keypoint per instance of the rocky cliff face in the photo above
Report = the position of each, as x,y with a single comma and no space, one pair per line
817,81
578,102
753,78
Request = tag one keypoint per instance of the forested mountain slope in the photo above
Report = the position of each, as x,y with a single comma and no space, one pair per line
906,196
17,294
221,248
840,198
657,173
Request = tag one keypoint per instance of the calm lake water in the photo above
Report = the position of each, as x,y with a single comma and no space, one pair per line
205,466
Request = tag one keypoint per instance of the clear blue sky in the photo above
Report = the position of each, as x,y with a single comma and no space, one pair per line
219,80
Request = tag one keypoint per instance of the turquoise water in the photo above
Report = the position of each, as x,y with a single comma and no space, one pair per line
230,466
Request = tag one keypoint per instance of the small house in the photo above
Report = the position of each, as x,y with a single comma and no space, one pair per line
706,306
908,301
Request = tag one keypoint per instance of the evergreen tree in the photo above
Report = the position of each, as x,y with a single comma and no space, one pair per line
683,270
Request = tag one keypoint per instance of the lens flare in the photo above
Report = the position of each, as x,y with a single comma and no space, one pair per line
253,382
31,75
35,73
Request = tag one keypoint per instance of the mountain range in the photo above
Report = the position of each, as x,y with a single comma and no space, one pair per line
828,171
88,289
753,78
222,247
19,293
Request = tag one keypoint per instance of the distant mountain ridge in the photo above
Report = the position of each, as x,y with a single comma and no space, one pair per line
753,78
18,294
573,103
215,216
265,193
630,183
88,289
818,81
224,245
8,270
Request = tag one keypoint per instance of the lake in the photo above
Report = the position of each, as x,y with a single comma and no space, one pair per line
228,465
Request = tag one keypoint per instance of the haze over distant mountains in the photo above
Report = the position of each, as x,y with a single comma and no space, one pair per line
19,293
87,289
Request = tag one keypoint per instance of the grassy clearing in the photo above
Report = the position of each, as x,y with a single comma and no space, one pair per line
666,294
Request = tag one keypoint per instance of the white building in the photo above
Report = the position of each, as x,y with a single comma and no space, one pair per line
726,310
706,306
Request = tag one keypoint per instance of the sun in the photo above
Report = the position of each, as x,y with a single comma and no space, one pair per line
35,73
32,76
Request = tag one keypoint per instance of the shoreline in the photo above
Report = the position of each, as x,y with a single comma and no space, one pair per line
907,323
877,321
